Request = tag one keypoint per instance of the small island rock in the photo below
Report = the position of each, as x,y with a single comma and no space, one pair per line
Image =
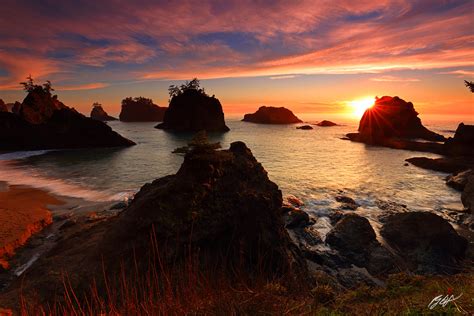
141,109
272,115
99,114
326,123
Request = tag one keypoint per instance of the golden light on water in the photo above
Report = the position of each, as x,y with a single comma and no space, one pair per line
360,105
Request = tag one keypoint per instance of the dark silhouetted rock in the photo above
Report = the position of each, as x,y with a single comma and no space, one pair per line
272,115
3,106
348,203
467,196
44,122
16,107
193,111
427,242
448,165
459,180
99,114
141,110
326,124
462,144
305,127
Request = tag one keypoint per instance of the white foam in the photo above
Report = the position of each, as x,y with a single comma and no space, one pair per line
21,175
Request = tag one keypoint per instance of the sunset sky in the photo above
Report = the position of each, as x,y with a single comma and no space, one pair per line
311,56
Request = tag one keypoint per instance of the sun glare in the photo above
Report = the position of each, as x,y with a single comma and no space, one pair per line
359,106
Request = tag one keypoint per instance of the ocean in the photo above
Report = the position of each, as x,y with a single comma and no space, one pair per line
314,165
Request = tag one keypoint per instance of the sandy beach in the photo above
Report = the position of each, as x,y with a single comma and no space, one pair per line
24,211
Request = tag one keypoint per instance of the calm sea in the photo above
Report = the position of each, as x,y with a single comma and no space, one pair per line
314,165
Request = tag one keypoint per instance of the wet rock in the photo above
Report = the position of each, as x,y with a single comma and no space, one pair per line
304,127
467,196
462,144
193,111
427,242
326,123
336,216
348,203
272,115
297,218
141,109
458,181
98,113
292,200
448,165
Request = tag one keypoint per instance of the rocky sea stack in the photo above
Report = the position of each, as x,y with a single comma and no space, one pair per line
220,208
99,114
326,124
44,122
391,118
192,110
462,144
272,115
141,109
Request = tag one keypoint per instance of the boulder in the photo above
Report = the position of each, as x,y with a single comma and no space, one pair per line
3,106
392,118
141,109
304,127
193,111
462,144
49,124
326,123
448,165
99,114
467,195
459,180
272,115
427,242
348,203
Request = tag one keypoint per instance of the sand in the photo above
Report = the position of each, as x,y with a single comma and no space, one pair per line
24,211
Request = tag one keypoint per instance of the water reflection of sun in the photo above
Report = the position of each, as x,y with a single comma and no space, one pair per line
360,105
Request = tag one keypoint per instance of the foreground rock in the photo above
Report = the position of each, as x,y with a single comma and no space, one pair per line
459,180
467,196
462,144
43,122
272,115
448,165
427,242
193,111
220,206
99,114
326,123
141,109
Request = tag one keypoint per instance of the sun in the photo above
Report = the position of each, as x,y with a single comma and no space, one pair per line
359,106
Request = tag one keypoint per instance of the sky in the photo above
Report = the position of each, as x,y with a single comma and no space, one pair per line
310,56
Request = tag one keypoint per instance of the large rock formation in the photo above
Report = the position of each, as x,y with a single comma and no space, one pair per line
467,196
272,115
191,111
43,122
3,106
220,208
392,118
462,144
141,110
427,242
99,114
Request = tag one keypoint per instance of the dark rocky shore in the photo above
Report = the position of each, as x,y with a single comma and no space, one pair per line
272,115
99,114
41,121
222,209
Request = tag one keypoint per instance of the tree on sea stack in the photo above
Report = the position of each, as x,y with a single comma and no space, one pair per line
30,86
469,85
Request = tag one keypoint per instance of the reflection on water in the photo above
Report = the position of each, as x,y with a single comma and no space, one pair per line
314,165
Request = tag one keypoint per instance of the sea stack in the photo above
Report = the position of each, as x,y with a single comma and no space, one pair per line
326,124
44,122
192,110
141,109
3,106
272,115
462,144
99,114
393,117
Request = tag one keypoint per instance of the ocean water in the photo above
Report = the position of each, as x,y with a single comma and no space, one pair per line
314,165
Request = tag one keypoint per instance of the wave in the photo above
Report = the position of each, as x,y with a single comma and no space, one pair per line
22,154
16,175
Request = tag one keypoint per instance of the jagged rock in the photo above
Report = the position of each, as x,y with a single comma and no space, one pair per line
462,144
427,242
304,127
98,113
44,122
272,115
297,218
459,180
467,196
141,110
448,165
326,124
193,111
3,106
348,203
